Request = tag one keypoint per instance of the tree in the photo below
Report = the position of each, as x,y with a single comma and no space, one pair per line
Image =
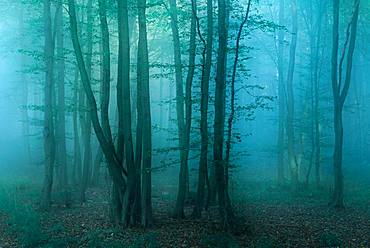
116,171
144,97
25,90
340,92
225,209
205,77
77,162
86,124
232,93
293,164
181,195
61,119
281,95
49,139
125,144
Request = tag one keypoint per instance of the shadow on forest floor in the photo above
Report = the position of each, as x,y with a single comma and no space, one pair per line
274,217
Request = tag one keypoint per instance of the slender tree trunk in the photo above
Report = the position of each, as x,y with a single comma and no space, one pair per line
188,89
116,171
124,107
181,195
340,93
49,139
24,81
219,122
290,96
232,95
77,163
87,156
206,72
281,96
143,79
316,82
60,126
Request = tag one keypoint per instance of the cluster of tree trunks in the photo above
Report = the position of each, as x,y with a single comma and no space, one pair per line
129,159
340,87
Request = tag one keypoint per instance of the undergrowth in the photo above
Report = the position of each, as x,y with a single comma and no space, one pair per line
16,199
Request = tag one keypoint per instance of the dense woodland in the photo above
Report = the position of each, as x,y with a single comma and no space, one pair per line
173,123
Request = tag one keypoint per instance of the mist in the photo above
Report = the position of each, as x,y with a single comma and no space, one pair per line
184,123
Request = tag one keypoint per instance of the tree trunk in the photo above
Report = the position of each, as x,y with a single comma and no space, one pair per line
188,89
143,79
316,81
116,171
49,139
181,195
340,94
77,163
124,107
87,156
281,96
24,81
206,72
290,96
60,127
225,210
232,95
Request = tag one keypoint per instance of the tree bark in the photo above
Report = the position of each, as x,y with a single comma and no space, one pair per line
131,216
281,96
290,96
316,81
181,195
143,79
232,94
206,72
77,163
116,171
60,127
188,88
25,90
87,155
225,210
49,138
340,93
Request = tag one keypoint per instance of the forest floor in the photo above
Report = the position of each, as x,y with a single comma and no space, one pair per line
273,217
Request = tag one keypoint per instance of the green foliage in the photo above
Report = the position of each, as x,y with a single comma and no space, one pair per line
220,240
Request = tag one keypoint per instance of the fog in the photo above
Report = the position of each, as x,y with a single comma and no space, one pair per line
189,124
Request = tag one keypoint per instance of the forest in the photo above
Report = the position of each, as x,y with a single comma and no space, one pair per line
184,123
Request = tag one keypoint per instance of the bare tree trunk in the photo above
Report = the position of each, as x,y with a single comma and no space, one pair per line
181,195
49,139
281,96
225,209
290,96
87,156
143,79
24,81
340,93
61,120
316,81
206,72
124,107
188,89
77,163
116,171
232,95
